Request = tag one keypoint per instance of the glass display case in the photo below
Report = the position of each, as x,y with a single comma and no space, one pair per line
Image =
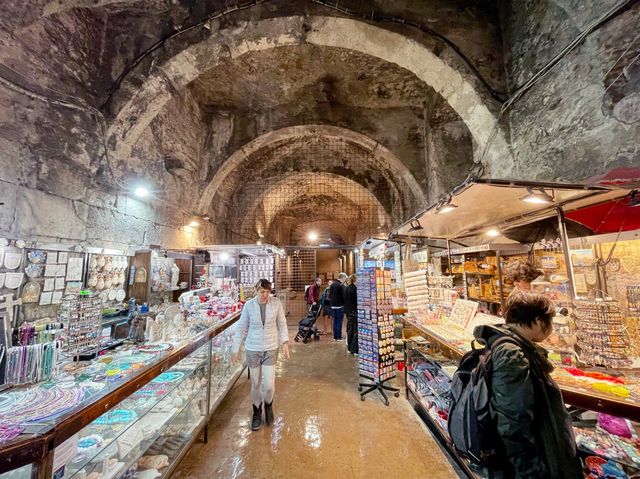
138,408
604,407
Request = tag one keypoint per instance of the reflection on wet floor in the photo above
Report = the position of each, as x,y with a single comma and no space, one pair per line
321,428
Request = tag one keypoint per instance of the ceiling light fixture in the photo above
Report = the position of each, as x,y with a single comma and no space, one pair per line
141,192
541,197
445,207
493,232
224,256
194,224
415,225
324,245
312,236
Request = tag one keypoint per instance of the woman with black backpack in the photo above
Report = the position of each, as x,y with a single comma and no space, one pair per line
536,439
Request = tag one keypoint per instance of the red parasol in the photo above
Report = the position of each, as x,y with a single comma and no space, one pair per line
611,217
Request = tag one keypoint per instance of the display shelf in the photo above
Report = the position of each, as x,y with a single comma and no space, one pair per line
168,420
141,411
443,438
579,398
33,448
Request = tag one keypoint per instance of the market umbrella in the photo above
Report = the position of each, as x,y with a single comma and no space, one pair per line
545,229
610,217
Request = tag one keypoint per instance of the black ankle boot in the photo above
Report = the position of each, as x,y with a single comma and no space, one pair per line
256,422
268,413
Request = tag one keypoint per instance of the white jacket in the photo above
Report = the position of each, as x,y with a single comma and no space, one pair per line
273,334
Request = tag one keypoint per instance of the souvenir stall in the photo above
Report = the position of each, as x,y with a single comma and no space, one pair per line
76,402
592,345
237,269
133,411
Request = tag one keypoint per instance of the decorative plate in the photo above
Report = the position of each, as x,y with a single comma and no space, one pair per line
37,256
12,260
31,292
21,244
120,295
13,280
34,270
112,294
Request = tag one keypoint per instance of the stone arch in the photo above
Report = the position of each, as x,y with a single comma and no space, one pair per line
394,167
361,212
139,109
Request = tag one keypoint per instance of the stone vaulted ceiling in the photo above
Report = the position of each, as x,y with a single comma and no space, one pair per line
195,115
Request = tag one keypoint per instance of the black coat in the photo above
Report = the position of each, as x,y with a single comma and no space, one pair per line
527,407
337,294
351,300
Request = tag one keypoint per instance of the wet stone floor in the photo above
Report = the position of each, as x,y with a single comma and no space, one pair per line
322,429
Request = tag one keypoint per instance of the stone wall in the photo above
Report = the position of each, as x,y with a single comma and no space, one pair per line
583,118
56,184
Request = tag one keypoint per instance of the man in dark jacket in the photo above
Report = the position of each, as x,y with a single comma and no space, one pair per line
351,311
527,407
336,295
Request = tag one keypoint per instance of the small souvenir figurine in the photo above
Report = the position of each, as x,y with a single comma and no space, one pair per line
136,329
100,283
175,275
93,279
133,308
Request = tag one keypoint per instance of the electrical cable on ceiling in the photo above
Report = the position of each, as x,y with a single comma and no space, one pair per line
609,15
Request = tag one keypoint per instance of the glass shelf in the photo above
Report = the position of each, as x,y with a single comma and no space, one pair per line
150,404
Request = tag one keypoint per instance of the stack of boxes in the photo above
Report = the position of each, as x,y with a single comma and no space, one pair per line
375,324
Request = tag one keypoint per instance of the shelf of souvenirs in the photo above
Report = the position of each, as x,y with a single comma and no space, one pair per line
617,393
80,392
601,438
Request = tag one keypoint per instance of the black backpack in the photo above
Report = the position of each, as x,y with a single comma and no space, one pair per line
472,430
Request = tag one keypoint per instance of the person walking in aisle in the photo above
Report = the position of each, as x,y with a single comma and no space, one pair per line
532,422
337,294
264,325
351,311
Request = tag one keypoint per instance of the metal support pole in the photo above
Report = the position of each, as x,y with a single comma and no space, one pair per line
208,373
500,282
567,253
449,257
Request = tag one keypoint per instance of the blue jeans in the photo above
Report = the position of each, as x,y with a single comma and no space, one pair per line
338,316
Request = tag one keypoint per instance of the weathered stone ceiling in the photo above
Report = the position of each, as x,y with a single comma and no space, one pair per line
298,78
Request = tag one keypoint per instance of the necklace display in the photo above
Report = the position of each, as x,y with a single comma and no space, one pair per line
31,364
38,404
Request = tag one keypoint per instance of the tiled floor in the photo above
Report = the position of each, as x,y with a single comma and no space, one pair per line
321,430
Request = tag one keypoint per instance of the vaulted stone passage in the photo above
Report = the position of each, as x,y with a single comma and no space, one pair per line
221,109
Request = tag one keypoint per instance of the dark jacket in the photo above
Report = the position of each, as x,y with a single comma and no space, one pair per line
351,300
337,294
531,418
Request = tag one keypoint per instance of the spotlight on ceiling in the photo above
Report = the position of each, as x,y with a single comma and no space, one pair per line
206,217
141,191
324,245
194,224
416,226
493,232
445,207
541,197
312,236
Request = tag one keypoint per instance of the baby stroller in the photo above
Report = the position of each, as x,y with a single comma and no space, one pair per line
306,326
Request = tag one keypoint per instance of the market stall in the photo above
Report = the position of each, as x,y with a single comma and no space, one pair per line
594,288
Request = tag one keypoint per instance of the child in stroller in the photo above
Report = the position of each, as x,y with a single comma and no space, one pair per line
306,326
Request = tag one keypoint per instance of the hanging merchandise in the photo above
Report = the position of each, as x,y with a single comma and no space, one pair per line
602,337
141,275
13,280
12,260
31,364
376,347
82,317
31,292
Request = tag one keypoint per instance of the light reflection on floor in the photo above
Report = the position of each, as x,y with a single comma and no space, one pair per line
321,428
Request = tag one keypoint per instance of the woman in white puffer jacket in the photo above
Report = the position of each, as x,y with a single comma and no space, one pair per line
264,325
